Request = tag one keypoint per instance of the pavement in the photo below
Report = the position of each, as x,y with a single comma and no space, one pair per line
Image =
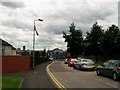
37,79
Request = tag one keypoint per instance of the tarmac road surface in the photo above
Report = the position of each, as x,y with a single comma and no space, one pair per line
75,79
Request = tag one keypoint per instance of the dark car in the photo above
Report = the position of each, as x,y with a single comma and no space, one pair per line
110,68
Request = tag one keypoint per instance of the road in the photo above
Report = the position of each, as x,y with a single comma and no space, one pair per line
75,79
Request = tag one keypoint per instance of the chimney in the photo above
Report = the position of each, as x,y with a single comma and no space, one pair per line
23,48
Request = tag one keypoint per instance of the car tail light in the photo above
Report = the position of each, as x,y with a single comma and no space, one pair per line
118,68
84,64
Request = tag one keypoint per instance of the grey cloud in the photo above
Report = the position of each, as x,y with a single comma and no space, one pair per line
7,35
55,29
57,20
88,14
48,39
119,14
44,43
22,40
16,24
13,5
82,16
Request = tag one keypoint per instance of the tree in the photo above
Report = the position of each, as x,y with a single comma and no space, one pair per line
92,42
44,52
111,42
74,41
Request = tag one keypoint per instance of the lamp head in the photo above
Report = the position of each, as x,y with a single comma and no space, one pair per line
40,20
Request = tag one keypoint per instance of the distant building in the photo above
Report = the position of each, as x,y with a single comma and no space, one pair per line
19,51
23,48
6,48
56,53
25,52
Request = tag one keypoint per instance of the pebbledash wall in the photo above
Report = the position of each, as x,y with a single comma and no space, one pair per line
12,64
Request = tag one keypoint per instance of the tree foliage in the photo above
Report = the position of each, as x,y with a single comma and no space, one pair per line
92,41
73,39
111,41
98,42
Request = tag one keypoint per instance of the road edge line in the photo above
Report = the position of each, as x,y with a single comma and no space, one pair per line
54,79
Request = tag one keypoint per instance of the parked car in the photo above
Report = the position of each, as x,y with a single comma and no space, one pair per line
72,62
110,68
66,60
51,60
84,64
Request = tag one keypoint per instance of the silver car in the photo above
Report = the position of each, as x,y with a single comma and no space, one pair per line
84,64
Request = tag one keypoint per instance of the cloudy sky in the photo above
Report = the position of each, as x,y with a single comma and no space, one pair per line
17,18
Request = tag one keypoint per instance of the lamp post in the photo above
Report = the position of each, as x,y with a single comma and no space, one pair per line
33,66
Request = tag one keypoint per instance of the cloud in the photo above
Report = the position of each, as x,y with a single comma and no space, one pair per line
13,23
119,14
57,15
83,16
55,29
13,5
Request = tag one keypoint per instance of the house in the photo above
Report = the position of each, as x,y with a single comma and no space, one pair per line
57,53
6,48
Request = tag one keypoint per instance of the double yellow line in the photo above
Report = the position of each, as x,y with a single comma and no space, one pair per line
55,80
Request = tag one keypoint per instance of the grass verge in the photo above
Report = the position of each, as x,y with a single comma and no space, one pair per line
11,82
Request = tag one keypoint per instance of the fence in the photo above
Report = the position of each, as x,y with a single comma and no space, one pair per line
38,60
15,64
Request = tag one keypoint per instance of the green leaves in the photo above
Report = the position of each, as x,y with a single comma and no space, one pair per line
74,39
98,42
111,41
93,40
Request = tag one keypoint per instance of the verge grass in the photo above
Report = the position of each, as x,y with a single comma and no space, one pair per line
10,81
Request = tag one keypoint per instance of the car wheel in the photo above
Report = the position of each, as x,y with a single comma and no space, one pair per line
114,76
80,68
98,72
74,67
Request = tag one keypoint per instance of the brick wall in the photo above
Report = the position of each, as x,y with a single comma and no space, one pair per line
15,64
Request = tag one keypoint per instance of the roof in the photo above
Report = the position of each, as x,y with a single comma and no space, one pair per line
4,43
57,49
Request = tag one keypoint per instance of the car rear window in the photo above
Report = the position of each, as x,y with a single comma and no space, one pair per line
73,59
86,60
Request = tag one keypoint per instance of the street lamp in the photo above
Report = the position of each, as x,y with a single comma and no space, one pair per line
34,41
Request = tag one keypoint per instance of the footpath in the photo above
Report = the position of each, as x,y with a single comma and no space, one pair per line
37,79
